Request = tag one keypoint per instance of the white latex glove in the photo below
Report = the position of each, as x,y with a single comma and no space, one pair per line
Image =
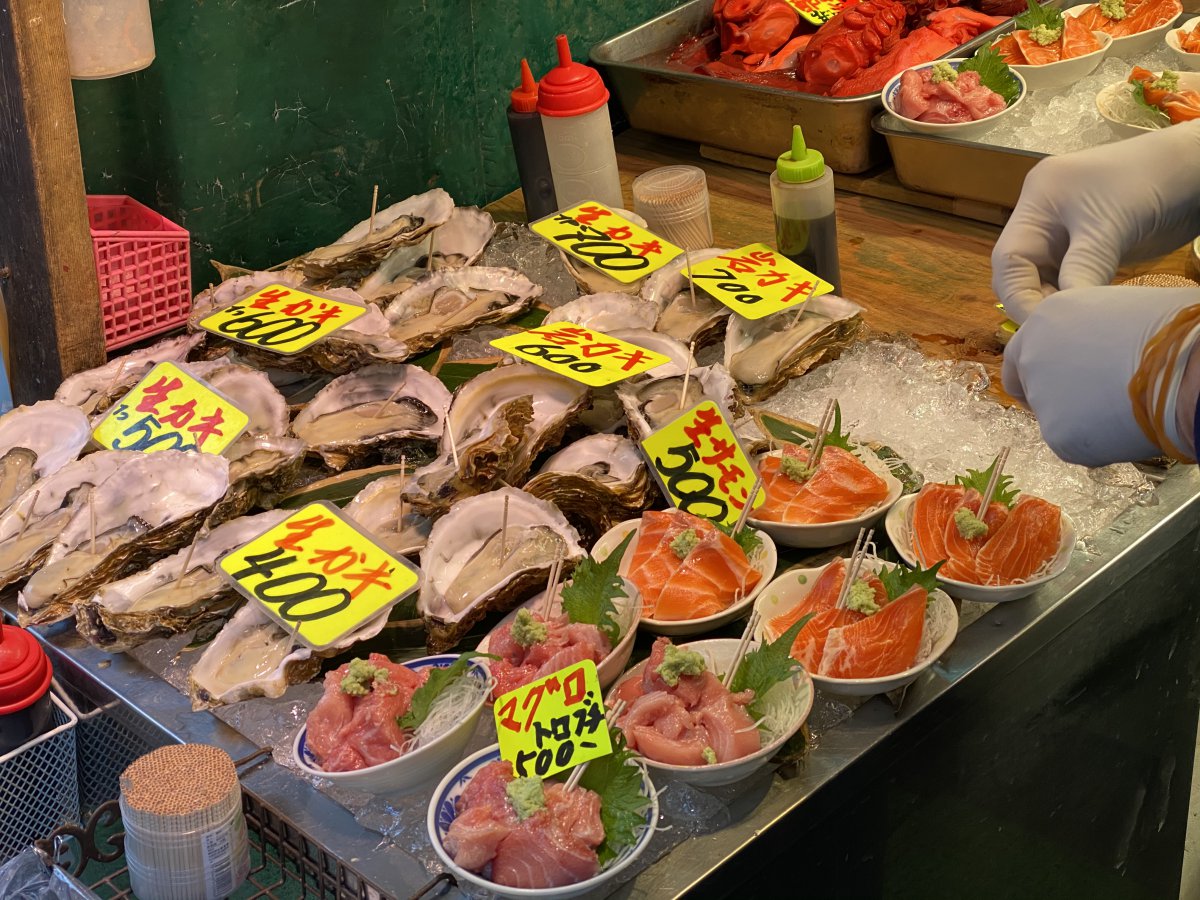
1071,363
1082,215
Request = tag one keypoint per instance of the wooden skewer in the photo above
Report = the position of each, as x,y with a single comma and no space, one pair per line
1001,462
822,431
187,561
403,484
386,403
803,304
28,515
857,558
551,582
743,646
429,258
374,204
577,773
741,521
687,374
504,530
453,445
687,258
92,518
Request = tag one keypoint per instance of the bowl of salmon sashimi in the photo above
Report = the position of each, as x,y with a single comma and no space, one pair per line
683,719
873,636
1019,544
691,574
1137,26
1050,50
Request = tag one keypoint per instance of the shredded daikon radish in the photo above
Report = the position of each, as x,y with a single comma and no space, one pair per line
453,705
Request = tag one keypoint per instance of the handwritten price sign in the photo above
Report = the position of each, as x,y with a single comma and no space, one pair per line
816,11
281,319
554,723
318,574
701,466
597,236
756,281
581,354
171,410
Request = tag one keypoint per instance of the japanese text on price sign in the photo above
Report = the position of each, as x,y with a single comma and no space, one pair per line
614,245
701,466
756,281
581,354
554,723
318,574
816,11
171,410
281,319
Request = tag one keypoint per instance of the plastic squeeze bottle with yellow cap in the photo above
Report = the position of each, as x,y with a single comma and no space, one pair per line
805,221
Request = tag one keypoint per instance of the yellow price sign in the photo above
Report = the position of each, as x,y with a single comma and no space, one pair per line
757,281
171,410
553,724
700,465
581,354
604,240
319,575
281,319
818,12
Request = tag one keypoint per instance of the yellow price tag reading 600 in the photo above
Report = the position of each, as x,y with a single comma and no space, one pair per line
171,410
554,723
756,281
581,354
594,234
281,319
318,575
701,466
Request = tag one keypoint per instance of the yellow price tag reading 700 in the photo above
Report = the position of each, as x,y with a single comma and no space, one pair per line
281,319
756,281
581,354
554,723
701,466
604,240
171,410
319,575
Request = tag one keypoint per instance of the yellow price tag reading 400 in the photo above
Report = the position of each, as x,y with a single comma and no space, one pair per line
756,281
599,237
581,354
701,466
554,723
318,574
281,319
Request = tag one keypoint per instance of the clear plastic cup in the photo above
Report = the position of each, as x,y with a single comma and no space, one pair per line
674,202
108,37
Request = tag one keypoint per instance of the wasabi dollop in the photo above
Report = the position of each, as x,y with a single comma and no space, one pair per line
527,630
862,599
685,542
361,676
795,468
710,755
1113,9
526,796
969,525
677,663
1045,35
1168,82
943,71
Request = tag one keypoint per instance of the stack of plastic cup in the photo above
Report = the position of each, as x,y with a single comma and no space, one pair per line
674,202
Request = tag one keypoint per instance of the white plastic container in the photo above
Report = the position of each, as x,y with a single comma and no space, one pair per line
106,38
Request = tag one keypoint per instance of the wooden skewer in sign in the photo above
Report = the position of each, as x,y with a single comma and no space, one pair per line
741,520
374,204
29,515
861,547
822,430
1001,461
577,773
687,373
743,645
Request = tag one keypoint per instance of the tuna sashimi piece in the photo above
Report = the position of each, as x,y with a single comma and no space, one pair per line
329,717
536,855
934,506
714,574
487,789
1076,40
1036,54
685,750
575,812
886,643
731,731
1023,544
566,643
374,731
809,646
842,488
475,835
509,677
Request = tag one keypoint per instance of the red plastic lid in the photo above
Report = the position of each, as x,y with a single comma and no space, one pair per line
524,98
25,670
570,88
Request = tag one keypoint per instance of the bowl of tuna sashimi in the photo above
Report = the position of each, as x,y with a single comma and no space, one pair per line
524,837
384,727
959,98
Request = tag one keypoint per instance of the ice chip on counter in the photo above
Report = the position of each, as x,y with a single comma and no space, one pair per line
536,258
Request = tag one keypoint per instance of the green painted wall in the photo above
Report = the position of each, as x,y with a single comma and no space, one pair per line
262,124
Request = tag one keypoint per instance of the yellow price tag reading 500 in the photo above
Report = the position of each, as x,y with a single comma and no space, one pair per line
701,466
554,723
604,240
281,319
318,575
756,281
171,410
581,354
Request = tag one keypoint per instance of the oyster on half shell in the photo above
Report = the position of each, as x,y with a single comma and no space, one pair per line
36,441
593,281
473,567
685,315
233,289
381,509
655,402
606,312
95,390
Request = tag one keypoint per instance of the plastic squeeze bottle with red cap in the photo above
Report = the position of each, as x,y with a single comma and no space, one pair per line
529,146
25,674
573,102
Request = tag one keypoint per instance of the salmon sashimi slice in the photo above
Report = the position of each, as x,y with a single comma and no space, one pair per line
1094,20
1189,41
823,595
1009,51
959,547
1144,15
1036,54
1154,96
841,488
809,646
1183,106
935,504
1023,544
886,643
708,581
653,561
1076,39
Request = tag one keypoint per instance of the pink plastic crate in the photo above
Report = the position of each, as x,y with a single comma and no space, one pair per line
144,266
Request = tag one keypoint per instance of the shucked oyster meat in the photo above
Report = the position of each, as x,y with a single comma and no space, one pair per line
36,441
381,509
473,567
608,311
654,402
686,315
95,390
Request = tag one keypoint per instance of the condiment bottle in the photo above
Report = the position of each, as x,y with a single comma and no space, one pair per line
573,102
805,221
25,674
529,146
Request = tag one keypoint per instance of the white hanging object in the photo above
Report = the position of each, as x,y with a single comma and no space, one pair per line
106,38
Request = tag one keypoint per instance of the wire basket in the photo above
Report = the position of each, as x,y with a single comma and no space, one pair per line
39,788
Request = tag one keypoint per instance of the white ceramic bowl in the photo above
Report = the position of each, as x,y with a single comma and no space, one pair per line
427,762
789,590
609,668
899,529
1188,81
961,130
1131,46
1184,62
833,533
1065,72
719,653
765,559
442,813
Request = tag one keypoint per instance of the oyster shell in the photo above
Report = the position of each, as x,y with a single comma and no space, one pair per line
250,390
608,311
391,409
147,508
168,598
762,354
263,470
36,441
377,509
233,289
653,403
701,320
597,482
95,390
466,573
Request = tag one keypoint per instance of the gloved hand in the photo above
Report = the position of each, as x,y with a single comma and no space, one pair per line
1072,361
1082,215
